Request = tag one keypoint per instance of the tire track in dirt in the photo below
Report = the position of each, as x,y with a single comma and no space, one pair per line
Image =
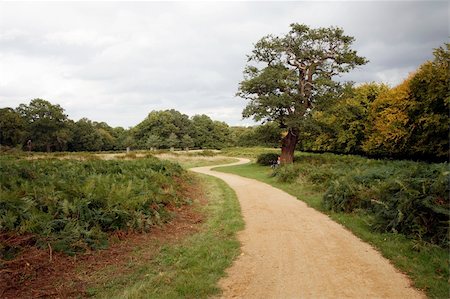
290,250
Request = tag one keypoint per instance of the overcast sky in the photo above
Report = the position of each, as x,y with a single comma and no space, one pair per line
116,62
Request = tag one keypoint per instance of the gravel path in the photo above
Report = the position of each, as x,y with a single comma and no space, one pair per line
292,251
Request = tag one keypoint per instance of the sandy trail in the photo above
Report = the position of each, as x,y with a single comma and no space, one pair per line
292,251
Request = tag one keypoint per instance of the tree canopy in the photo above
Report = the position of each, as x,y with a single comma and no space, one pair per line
286,73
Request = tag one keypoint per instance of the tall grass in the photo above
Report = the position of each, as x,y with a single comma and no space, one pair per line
72,205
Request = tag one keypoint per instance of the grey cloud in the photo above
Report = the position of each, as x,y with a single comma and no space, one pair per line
116,62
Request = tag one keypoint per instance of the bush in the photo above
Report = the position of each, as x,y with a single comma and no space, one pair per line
416,205
287,173
73,205
405,197
267,159
401,196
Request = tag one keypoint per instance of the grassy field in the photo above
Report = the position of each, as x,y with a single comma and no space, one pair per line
190,268
425,263
74,203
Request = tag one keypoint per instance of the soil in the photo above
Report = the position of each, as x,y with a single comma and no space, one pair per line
290,250
37,273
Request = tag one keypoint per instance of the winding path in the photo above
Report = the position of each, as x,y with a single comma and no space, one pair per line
292,251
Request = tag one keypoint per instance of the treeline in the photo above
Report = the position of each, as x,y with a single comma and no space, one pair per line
410,120
49,129
42,126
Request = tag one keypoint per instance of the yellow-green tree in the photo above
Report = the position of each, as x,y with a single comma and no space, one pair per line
412,119
388,129
342,126
430,112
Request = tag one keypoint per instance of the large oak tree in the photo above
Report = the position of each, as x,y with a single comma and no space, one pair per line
286,73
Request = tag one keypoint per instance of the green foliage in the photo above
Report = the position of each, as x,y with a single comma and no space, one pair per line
186,268
268,134
267,159
287,173
47,125
409,120
403,196
341,125
74,204
167,125
86,136
426,264
292,72
172,140
12,128
170,128
429,114
207,133
186,141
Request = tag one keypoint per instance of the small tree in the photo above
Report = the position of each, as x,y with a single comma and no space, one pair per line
295,69
153,142
187,141
172,141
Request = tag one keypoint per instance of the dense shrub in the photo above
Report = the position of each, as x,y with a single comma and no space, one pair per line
416,204
403,196
287,173
72,205
267,159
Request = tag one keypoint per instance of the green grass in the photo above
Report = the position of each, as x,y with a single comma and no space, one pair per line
192,268
426,264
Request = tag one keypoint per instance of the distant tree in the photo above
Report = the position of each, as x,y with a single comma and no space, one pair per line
186,141
342,125
161,124
86,137
208,133
123,138
153,141
107,135
46,124
172,141
202,128
289,73
244,136
430,92
268,134
12,128
412,120
389,131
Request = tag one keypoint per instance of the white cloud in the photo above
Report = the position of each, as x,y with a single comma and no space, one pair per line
116,62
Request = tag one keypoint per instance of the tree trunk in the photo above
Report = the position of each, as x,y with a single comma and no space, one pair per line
288,144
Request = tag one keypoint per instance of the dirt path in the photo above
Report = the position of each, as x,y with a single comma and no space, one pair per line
292,251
